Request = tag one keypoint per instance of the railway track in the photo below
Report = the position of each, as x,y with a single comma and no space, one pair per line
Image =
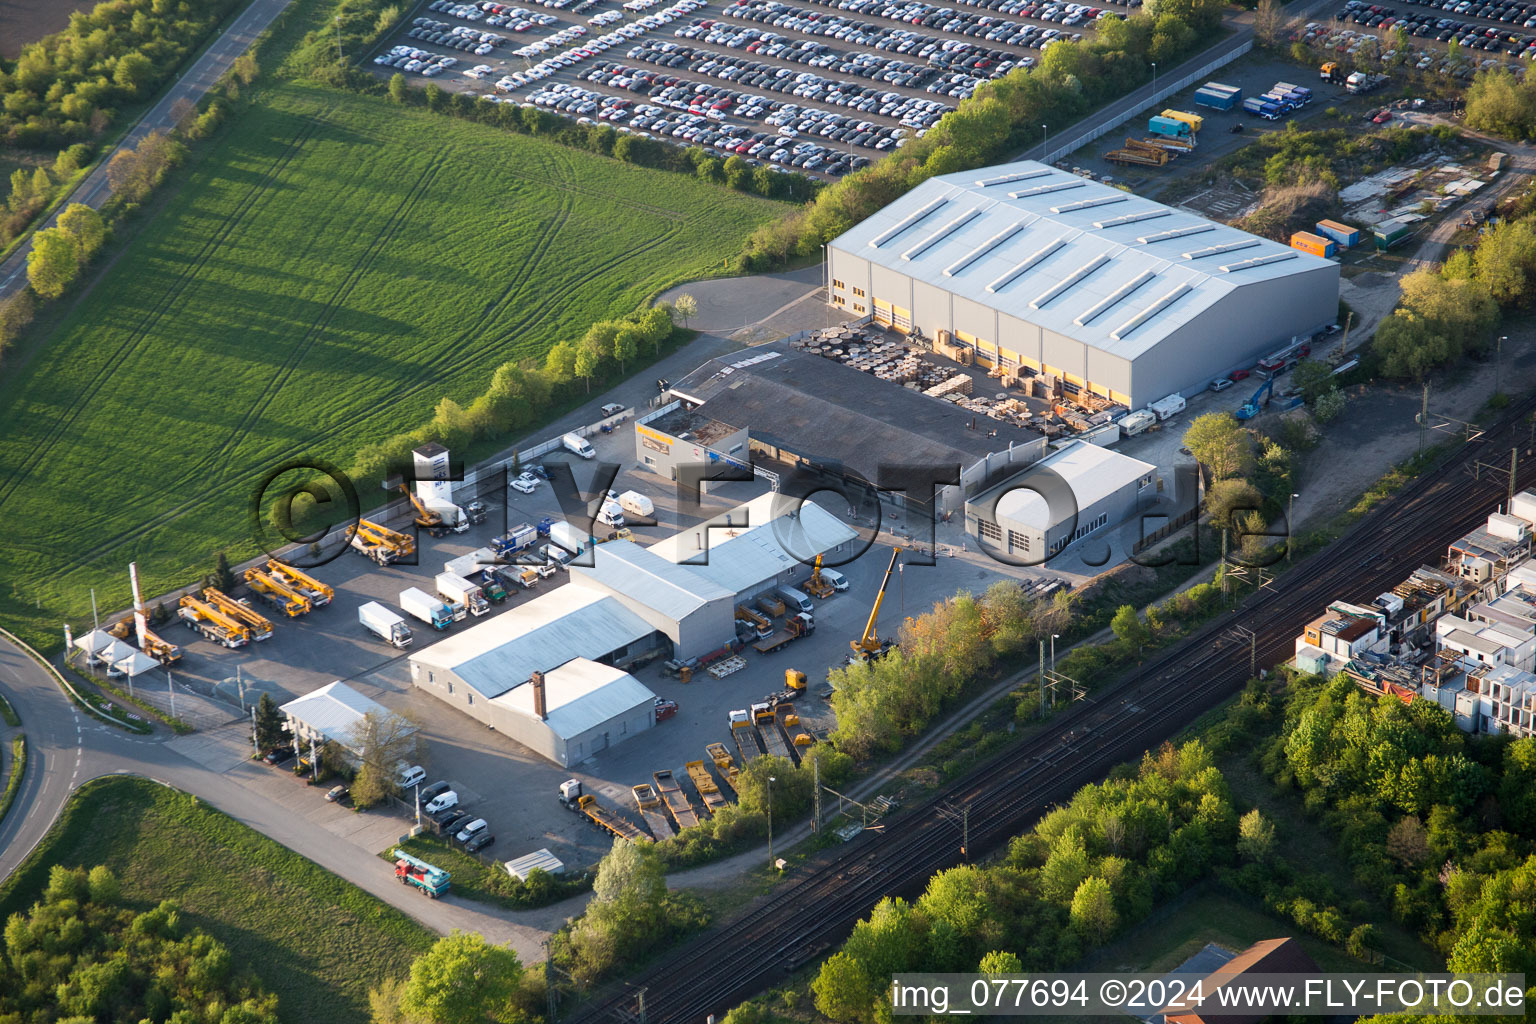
819,906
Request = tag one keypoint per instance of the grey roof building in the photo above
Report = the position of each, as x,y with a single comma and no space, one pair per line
1045,271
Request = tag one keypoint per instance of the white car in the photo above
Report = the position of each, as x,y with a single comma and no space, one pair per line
526,483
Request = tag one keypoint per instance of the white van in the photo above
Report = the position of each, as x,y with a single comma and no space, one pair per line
410,775
797,600
577,444
611,515
442,802
837,579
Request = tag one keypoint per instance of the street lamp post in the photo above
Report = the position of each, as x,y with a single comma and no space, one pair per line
1290,526
1045,134
771,781
1154,81
1053,652
1498,364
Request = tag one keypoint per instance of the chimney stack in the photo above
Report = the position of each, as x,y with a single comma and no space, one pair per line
540,708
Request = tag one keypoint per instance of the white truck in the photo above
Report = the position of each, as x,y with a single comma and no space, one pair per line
1166,407
454,517
637,504
611,514
566,536
422,605
461,593
385,624
578,445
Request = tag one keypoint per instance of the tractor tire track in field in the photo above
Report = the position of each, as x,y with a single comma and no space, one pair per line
115,359
360,268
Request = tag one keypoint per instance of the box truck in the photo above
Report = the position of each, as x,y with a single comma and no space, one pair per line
422,605
385,624
577,444
569,537
461,593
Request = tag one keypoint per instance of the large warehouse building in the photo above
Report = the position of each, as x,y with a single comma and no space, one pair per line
1043,270
551,672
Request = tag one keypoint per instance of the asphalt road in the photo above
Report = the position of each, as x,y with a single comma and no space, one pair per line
209,68
67,748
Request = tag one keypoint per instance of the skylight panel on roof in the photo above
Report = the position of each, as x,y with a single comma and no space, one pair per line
1257,261
1217,250
1120,295
1125,329
1004,179
984,248
941,234
1029,261
1040,190
1131,218
1176,233
909,221
1071,281
1086,204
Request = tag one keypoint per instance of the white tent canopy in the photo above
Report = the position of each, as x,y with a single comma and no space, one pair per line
135,664
94,642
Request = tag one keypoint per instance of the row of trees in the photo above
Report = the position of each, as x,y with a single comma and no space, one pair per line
882,703
67,87
520,395
32,191
1003,118
82,954
1437,824
1083,873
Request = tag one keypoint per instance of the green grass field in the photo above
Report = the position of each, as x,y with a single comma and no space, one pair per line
315,940
332,268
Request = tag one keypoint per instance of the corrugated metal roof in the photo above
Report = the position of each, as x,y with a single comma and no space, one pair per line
1092,472
521,867
674,590
581,695
333,710
1057,251
765,536
554,627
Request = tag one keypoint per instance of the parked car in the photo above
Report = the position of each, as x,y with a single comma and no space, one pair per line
432,792
442,802
665,709
337,794
278,755
448,821
1237,375
472,829
479,842
525,483
1221,383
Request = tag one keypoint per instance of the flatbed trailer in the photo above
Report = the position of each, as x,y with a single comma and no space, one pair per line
319,594
773,740
705,784
746,742
259,625
676,799
723,762
652,811
613,822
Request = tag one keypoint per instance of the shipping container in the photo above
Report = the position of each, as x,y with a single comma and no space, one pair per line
1343,234
1217,100
1389,233
1223,87
1193,120
1167,126
1317,245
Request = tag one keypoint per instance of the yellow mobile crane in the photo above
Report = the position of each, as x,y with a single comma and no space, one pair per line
162,651
817,585
259,625
212,623
382,544
427,519
870,645
276,592
319,594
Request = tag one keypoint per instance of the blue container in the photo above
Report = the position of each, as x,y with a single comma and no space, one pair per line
1218,100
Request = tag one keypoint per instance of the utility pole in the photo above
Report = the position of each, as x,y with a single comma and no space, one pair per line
965,832
1040,675
771,781
640,999
1423,417
255,747
1244,633
95,622
1498,364
169,688
1514,462
240,684
816,786
1290,526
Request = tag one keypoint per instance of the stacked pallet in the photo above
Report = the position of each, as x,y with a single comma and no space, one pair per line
959,384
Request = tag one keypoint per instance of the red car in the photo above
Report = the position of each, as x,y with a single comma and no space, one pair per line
1237,375
665,709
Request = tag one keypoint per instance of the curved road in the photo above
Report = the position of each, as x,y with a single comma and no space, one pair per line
67,748
93,191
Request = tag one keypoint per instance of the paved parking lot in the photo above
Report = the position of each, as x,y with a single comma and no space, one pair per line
822,86
1488,34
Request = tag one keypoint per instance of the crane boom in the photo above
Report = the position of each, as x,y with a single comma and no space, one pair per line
868,645
425,517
